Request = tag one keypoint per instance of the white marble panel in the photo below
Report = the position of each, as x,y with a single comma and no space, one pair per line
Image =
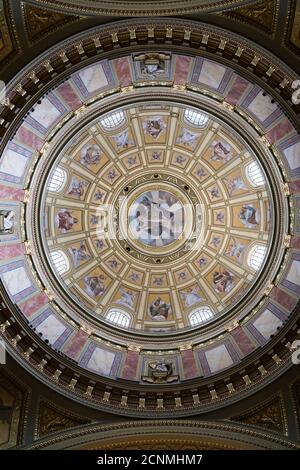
101,361
16,280
51,328
211,74
262,107
13,163
45,113
294,273
293,155
218,358
267,324
93,78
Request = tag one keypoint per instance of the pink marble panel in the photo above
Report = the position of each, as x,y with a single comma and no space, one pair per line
27,137
279,131
182,65
295,242
189,364
122,69
237,90
294,186
11,251
243,341
11,194
130,367
283,298
75,345
30,306
68,94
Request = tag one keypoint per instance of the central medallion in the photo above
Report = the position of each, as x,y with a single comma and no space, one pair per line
156,218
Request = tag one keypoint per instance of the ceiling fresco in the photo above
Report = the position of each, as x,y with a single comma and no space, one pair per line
149,237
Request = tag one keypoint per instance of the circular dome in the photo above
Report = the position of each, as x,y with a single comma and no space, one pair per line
157,215
194,151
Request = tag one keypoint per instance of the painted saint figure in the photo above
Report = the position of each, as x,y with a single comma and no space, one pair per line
187,138
7,222
220,151
90,155
65,221
122,140
236,250
77,187
127,298
94,285
159,310
79,254
154,127
234,185
156,218
249,216
223,281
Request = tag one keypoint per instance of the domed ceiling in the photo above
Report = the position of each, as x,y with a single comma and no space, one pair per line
149,237
140,8
159,212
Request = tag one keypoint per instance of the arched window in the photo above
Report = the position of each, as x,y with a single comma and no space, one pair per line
256,256
195,118
111,121
57,180
118,317
255,174
60,261
200,315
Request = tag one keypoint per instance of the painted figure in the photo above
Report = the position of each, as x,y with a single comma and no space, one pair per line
202,262
77,187
79,254
134,277
7,222
220,151
156,218
90,155
159,310
220,216
98,195
201,173
99,244
156,155
236,250
214,192
112,175
180,160
122,140
131,161
234,185
215,241
187,138
127,298
154,127
158,281
223,281
249,216
113,263
94,285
